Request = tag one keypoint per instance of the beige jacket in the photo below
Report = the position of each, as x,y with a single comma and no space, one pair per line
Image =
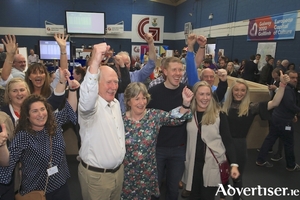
211,137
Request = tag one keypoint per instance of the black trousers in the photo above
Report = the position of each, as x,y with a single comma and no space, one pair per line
240,145
7,191
199,192
285,131
60,193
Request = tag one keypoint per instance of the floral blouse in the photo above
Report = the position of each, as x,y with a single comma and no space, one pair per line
140,172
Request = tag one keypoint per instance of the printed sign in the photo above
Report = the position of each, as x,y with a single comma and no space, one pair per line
277,27
142,24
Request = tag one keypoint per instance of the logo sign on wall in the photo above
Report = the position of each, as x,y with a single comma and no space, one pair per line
276,27
142,24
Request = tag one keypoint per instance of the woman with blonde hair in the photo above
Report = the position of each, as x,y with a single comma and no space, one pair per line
240,110
230,70
208,139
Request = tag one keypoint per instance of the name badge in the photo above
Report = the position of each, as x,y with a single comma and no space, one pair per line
52,170
288,128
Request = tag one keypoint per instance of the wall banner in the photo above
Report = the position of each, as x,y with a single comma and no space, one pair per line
276,27
142,24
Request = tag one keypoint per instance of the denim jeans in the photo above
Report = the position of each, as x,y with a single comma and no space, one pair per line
170,162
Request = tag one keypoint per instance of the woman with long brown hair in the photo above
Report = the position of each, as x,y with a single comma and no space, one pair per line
39,146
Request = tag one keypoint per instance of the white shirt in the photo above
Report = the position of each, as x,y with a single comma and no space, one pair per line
101,127
17,73
4,83
33,59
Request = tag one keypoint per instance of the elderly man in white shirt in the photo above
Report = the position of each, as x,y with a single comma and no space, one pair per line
102,132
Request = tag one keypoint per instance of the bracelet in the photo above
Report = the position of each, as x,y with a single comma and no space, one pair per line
73,90
63,53
185,107
10,62
234,165
282,84
202,47
62,82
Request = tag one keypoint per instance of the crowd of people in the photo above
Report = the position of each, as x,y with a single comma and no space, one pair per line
131,137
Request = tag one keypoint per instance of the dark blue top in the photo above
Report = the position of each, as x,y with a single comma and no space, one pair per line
33,151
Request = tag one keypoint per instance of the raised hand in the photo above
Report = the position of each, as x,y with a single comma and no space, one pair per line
187,96
73,84
61,39
3,135
192,38
10,44
64,74
119,61
201,40
222,74
284,78
98,54
148,38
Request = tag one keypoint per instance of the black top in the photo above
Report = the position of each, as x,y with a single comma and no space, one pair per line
124,79
167,99
250,70
266,74
239,126
226,139
287,108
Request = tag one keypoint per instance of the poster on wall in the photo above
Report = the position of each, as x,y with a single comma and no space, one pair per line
135,51
276,27
265,48
142,24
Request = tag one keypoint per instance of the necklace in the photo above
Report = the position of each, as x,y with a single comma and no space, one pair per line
138,117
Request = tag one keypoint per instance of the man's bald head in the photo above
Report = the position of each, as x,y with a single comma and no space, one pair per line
208,75
108,83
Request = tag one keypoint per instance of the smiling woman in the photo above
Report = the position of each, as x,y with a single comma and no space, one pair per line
38,80
141,129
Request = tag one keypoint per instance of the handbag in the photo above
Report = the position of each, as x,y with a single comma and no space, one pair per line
224,167
37,194
33,195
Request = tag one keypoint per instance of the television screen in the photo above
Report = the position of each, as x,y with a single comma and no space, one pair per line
49,50
85,22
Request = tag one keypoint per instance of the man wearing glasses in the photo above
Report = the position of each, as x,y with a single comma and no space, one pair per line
18,67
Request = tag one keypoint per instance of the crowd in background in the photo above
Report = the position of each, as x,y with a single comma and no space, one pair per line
138,124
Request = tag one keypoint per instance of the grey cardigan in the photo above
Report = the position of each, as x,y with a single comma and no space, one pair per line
210,135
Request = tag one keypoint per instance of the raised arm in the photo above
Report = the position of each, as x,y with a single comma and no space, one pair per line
142,74
201,40
11,47
187,96
89,86
284,79
191,69
4,153
222,85
61,40
149,39
73,87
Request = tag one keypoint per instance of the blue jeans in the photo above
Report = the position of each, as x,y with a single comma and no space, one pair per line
170,160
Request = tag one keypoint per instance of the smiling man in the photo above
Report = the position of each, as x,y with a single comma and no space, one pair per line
102,133
171,141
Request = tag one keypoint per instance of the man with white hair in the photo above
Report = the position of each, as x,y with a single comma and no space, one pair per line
284,64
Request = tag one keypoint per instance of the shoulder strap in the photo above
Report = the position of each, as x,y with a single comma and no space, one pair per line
195,117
